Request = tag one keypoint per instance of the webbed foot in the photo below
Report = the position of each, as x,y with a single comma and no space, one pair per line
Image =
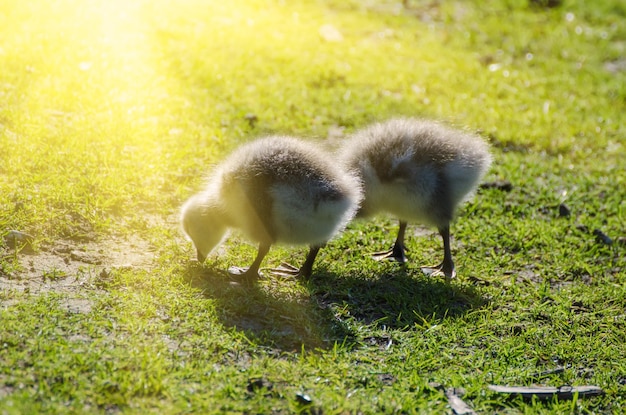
286,270
394,254
244,276
441,270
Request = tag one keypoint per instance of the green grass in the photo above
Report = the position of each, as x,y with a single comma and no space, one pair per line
112,112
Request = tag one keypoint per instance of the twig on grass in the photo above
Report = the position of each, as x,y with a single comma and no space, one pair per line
564,392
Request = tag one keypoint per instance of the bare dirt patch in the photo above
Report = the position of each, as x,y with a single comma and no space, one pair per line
69,266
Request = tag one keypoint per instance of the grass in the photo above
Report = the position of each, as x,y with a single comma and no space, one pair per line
111,113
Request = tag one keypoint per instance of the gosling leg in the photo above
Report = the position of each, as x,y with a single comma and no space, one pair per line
397,253
307,267
252,272
446,267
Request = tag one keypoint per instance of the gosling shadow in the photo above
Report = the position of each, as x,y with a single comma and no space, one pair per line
273,314
268,312
397,298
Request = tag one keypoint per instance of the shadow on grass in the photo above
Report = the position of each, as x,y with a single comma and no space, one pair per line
397,298
273,312
276,313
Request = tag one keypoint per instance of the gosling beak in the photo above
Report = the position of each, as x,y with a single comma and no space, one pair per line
200,257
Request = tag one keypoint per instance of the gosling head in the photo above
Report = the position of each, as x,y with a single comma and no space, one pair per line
203,224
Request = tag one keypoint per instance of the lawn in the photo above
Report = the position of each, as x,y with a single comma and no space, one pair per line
112,112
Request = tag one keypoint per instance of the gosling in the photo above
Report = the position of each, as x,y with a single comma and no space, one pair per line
416,170
275,190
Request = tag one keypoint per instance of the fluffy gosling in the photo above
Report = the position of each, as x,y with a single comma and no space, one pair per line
276,190
418,171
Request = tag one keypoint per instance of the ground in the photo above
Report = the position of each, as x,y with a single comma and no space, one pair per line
112,114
